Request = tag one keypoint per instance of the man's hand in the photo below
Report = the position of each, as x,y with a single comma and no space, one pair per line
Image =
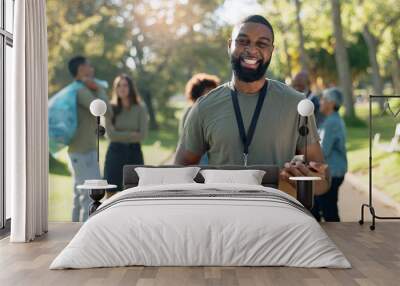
90,83
313,169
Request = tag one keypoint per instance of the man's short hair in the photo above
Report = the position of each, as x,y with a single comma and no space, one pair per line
74,63
259,20
196,86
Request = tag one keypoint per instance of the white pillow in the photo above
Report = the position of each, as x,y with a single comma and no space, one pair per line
248,177
163,176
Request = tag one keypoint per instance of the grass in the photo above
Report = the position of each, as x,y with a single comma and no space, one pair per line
157,148
385,166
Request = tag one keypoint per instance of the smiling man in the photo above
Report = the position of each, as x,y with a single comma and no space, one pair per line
251,120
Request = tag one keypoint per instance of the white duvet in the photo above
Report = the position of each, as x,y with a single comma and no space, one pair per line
203,231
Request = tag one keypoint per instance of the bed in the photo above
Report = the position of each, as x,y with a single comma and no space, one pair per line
198,224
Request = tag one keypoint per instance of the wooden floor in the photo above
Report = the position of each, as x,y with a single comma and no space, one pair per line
374,255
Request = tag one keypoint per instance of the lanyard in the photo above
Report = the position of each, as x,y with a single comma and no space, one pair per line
246,139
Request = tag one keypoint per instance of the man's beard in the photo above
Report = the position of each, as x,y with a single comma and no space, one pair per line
248,75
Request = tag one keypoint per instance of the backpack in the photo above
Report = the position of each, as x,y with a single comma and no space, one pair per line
63,118
63,115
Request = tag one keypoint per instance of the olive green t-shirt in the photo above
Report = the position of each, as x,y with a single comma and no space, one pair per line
183,120
130,125
85,139
211,126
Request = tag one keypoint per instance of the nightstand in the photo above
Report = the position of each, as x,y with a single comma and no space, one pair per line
97,189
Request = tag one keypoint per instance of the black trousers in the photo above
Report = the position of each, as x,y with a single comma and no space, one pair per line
118,155
325,206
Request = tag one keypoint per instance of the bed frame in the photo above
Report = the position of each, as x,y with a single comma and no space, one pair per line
270,179
304,190
305,193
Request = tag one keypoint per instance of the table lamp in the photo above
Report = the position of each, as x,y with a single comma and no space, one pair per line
305,185
98,108
96,192
305,108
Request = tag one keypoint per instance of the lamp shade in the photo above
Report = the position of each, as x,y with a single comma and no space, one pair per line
98,107
305,107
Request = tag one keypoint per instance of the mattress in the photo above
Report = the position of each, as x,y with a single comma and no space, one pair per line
201,225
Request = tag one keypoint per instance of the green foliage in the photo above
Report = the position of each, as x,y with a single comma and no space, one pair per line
358,55
323,64
355,122
58,167
160,43
87,28
163,43
315,16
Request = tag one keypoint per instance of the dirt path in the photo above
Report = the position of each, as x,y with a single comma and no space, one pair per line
353,194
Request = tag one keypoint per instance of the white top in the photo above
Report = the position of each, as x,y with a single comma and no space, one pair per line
96,185
305,178
93,187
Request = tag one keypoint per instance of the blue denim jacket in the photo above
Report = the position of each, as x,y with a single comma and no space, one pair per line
333,143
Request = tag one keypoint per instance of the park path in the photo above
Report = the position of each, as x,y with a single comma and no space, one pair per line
353,194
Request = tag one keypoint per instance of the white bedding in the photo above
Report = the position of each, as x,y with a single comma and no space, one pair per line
183,231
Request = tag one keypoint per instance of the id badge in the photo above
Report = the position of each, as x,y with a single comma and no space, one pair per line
245,159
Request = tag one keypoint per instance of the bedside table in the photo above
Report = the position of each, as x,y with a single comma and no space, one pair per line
96,193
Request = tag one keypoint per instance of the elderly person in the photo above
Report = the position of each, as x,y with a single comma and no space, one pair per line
333,142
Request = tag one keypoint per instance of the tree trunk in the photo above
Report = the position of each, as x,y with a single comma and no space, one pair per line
396,65
153,125
342,60
288,57
372,44
303,54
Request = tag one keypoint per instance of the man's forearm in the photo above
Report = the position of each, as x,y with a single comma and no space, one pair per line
322,186
184,157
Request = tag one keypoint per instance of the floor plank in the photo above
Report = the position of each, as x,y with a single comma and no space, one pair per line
374,255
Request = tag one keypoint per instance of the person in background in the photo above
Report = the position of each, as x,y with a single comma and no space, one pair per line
333,142
126,129
301,82
200,84
82,150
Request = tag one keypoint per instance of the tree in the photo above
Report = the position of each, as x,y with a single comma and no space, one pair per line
161,36
373,19
372,43
87,28
303,54
395,62
342,61
160,43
